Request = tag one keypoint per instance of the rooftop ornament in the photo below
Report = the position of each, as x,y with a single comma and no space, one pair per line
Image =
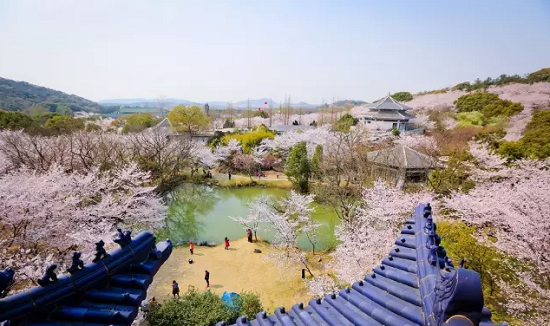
6,281
109,293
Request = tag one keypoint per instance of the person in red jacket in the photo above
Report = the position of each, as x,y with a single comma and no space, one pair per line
226,243
191,247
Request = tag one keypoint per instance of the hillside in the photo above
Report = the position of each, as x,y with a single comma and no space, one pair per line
535,96
19,96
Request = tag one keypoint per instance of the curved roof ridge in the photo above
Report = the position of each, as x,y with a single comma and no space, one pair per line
415,285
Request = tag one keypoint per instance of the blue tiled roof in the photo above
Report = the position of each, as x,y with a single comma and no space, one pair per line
416,284
108,292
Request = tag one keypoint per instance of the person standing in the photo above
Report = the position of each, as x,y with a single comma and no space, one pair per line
226,243
207,278
191,247
175,289
249,235
229,174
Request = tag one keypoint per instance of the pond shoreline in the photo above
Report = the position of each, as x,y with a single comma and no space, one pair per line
203,214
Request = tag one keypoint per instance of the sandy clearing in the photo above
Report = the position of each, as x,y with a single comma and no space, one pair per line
233,270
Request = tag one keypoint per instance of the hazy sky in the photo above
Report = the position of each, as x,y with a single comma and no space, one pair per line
229,50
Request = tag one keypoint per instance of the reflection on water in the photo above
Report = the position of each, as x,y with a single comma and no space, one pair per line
201,213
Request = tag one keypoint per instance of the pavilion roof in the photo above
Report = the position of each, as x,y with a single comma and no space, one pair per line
403,157
388,103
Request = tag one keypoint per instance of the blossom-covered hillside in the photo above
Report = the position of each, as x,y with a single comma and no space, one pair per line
530,96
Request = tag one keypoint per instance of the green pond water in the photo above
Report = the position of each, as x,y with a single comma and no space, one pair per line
201,213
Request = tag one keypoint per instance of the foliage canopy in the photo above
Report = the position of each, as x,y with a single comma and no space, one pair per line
189,119
298,167
402,96
202,308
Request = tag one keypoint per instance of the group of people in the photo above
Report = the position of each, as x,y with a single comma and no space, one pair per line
175,286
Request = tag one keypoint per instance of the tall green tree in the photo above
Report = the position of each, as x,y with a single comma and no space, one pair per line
345,122
189,119
316,162
298,167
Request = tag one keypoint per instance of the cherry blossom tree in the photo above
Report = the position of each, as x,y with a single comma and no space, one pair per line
259,209
245,163
425,144
366,238
54,212
512,203
320,286
286,141
287,219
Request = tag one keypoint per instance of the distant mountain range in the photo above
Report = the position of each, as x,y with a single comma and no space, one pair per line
19,96
171,102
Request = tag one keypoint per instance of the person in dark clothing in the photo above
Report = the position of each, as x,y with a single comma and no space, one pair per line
249,235
229,174
207,278
175,289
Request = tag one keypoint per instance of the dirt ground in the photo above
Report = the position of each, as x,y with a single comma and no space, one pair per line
237,269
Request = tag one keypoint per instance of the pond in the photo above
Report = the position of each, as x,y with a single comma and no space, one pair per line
201,213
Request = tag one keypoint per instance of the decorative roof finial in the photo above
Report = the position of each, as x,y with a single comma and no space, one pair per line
6,281
76,264
49,276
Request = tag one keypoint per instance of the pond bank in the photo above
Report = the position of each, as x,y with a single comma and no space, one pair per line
238,269
238,180
202,213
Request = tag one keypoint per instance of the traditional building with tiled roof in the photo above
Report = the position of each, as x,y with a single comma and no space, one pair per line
415,285
386,114
401,164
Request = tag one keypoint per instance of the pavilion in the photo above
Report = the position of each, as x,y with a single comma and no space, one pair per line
402,164
386,114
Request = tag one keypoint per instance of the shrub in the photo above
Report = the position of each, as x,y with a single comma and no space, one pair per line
250,139
542,75
64,124
395,131
345,122
15,120
490,106
493,267
402,96
137,122
535,142
475,102
454,177
202,308
249,305
474,118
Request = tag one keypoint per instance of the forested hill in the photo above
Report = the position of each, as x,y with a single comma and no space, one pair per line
21,96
